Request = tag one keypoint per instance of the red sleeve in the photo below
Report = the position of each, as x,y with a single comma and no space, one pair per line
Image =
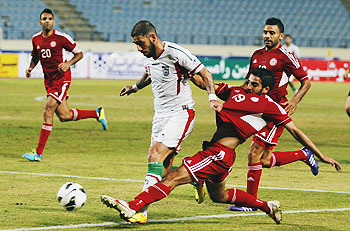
250,67
34,50
68,43
223,91
293,66
275,113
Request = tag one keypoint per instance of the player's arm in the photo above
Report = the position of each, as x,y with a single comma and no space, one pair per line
306,141
63,67
143,82
303,89
198,81
33,62
208,83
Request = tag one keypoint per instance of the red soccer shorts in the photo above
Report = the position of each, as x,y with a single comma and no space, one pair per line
58,88
214,163
268,136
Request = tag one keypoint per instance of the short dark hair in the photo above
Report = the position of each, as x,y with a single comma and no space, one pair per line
142,28
275,21
288,35
267,77
48,11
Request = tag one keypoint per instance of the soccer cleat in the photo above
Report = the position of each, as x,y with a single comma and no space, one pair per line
32,156
311,161
101,117
242,209
138,218
275,211
199,192
122,206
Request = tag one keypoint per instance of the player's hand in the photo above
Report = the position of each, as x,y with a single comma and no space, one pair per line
291,106
63,67
28,72
127,90
334,163
216,105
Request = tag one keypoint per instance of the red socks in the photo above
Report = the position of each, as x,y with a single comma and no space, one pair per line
44,135
253,178
83,114
152,194
243,199
282,158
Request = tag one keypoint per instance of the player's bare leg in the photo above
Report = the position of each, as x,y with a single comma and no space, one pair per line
49,110
64,114
154,193
157,154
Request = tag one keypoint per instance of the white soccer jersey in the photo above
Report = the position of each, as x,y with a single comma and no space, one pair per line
171,92
294,49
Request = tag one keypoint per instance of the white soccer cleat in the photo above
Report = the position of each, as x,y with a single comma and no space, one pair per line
275,211
120,205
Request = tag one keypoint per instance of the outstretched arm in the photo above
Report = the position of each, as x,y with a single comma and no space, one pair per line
306,141
143,82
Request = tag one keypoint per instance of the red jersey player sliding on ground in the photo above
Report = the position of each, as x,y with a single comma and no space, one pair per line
277,59
47,47
243,114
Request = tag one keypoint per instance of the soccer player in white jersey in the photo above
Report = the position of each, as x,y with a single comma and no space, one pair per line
294,49
174,115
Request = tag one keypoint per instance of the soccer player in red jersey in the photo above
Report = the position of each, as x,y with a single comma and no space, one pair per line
246,110
48,47
277,59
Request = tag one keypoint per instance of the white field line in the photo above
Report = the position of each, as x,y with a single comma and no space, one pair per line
130,180
174,219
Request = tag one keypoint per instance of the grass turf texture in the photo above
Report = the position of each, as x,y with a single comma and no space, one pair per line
82,148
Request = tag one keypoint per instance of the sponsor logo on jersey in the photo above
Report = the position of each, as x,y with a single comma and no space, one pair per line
53,44
254,99
255,61
273,62
165,70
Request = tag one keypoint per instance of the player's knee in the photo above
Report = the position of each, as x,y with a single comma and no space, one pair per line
64,117
217,197
265,163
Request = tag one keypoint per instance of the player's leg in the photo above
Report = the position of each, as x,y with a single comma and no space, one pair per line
64,114
219,194
347,105
154,193
49,110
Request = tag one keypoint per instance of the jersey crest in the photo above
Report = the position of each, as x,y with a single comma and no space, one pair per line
165,70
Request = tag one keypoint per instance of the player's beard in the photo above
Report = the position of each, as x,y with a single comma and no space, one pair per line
271,45
152,50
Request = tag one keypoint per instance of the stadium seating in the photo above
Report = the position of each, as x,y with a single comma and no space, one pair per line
313,23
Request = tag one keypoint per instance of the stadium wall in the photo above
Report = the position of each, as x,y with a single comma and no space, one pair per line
216,50
105,60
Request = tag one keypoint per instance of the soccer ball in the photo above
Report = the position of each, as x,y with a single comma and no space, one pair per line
71,196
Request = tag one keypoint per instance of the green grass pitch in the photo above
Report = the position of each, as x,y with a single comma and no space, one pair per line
83,149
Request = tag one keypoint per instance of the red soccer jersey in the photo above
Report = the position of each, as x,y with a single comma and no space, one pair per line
50,52
280,62
249,112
